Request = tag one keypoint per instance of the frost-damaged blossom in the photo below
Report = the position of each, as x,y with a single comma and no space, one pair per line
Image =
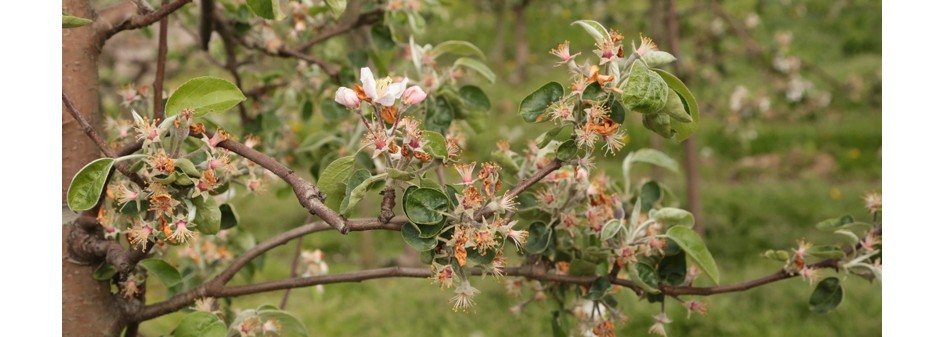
466,172
443,274
605,329
145,130
249,325
609,48
800,253
874,202
181,233
272,327
377,138
163,204
206,183
563,52
659,328
489,175
809,274
695,306
646,45
464,296
872,241
514,286
459,244
561,110
505,204
138,236
130,287
204,304
519,237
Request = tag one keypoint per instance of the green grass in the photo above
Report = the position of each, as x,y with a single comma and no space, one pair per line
746,211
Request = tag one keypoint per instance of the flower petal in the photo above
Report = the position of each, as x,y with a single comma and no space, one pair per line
368,83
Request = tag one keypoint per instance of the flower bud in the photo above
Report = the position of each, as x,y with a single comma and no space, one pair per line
414,95
347,97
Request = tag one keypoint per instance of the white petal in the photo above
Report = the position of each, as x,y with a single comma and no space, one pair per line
367,81
397,89
388,98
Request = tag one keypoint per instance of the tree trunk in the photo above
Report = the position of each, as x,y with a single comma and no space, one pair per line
521,42
501,30
88,307
693,201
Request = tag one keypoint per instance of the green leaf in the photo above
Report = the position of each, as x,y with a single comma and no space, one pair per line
567,150
228,217
435,144
168,275
200,324
844,222
673,217
534,105
427,232
692,244
461,48
656,58
650,195
683,130
672,269
579,267
411,235
204,95
593,92
268,9
617,112
476,66
548,136
73,22
826,252
777,255
475,98
654,157
439,115
104,272
290,325
599,289
827,296
594,28
332,180
208,217
539,236
480,259
644,275
424,206
645,91
675,109
358,185
337,7
87,184
610,229
187,167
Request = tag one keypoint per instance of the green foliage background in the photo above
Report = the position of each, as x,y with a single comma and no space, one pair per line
747,209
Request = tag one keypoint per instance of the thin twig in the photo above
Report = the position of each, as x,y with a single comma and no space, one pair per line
106,29
293,272
86,127
158,110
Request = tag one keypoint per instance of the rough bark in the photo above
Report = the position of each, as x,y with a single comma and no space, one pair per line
88,307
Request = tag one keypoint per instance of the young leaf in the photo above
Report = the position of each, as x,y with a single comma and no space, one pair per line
87,184
672,269
827,296
692,244
268,9
357,188
645,92
200,324
644,275
332,180
168,275
435,144
290,325
104,272
439,115
461,48
208,217
73,22
228,217
476,66
424,206
534,105
594,28
656,58
610,229
475,98
673,217
567,150
337,7
411,235
204,95
539,236
654,157
683,130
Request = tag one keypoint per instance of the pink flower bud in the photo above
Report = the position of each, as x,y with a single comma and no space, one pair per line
347,97
414,95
